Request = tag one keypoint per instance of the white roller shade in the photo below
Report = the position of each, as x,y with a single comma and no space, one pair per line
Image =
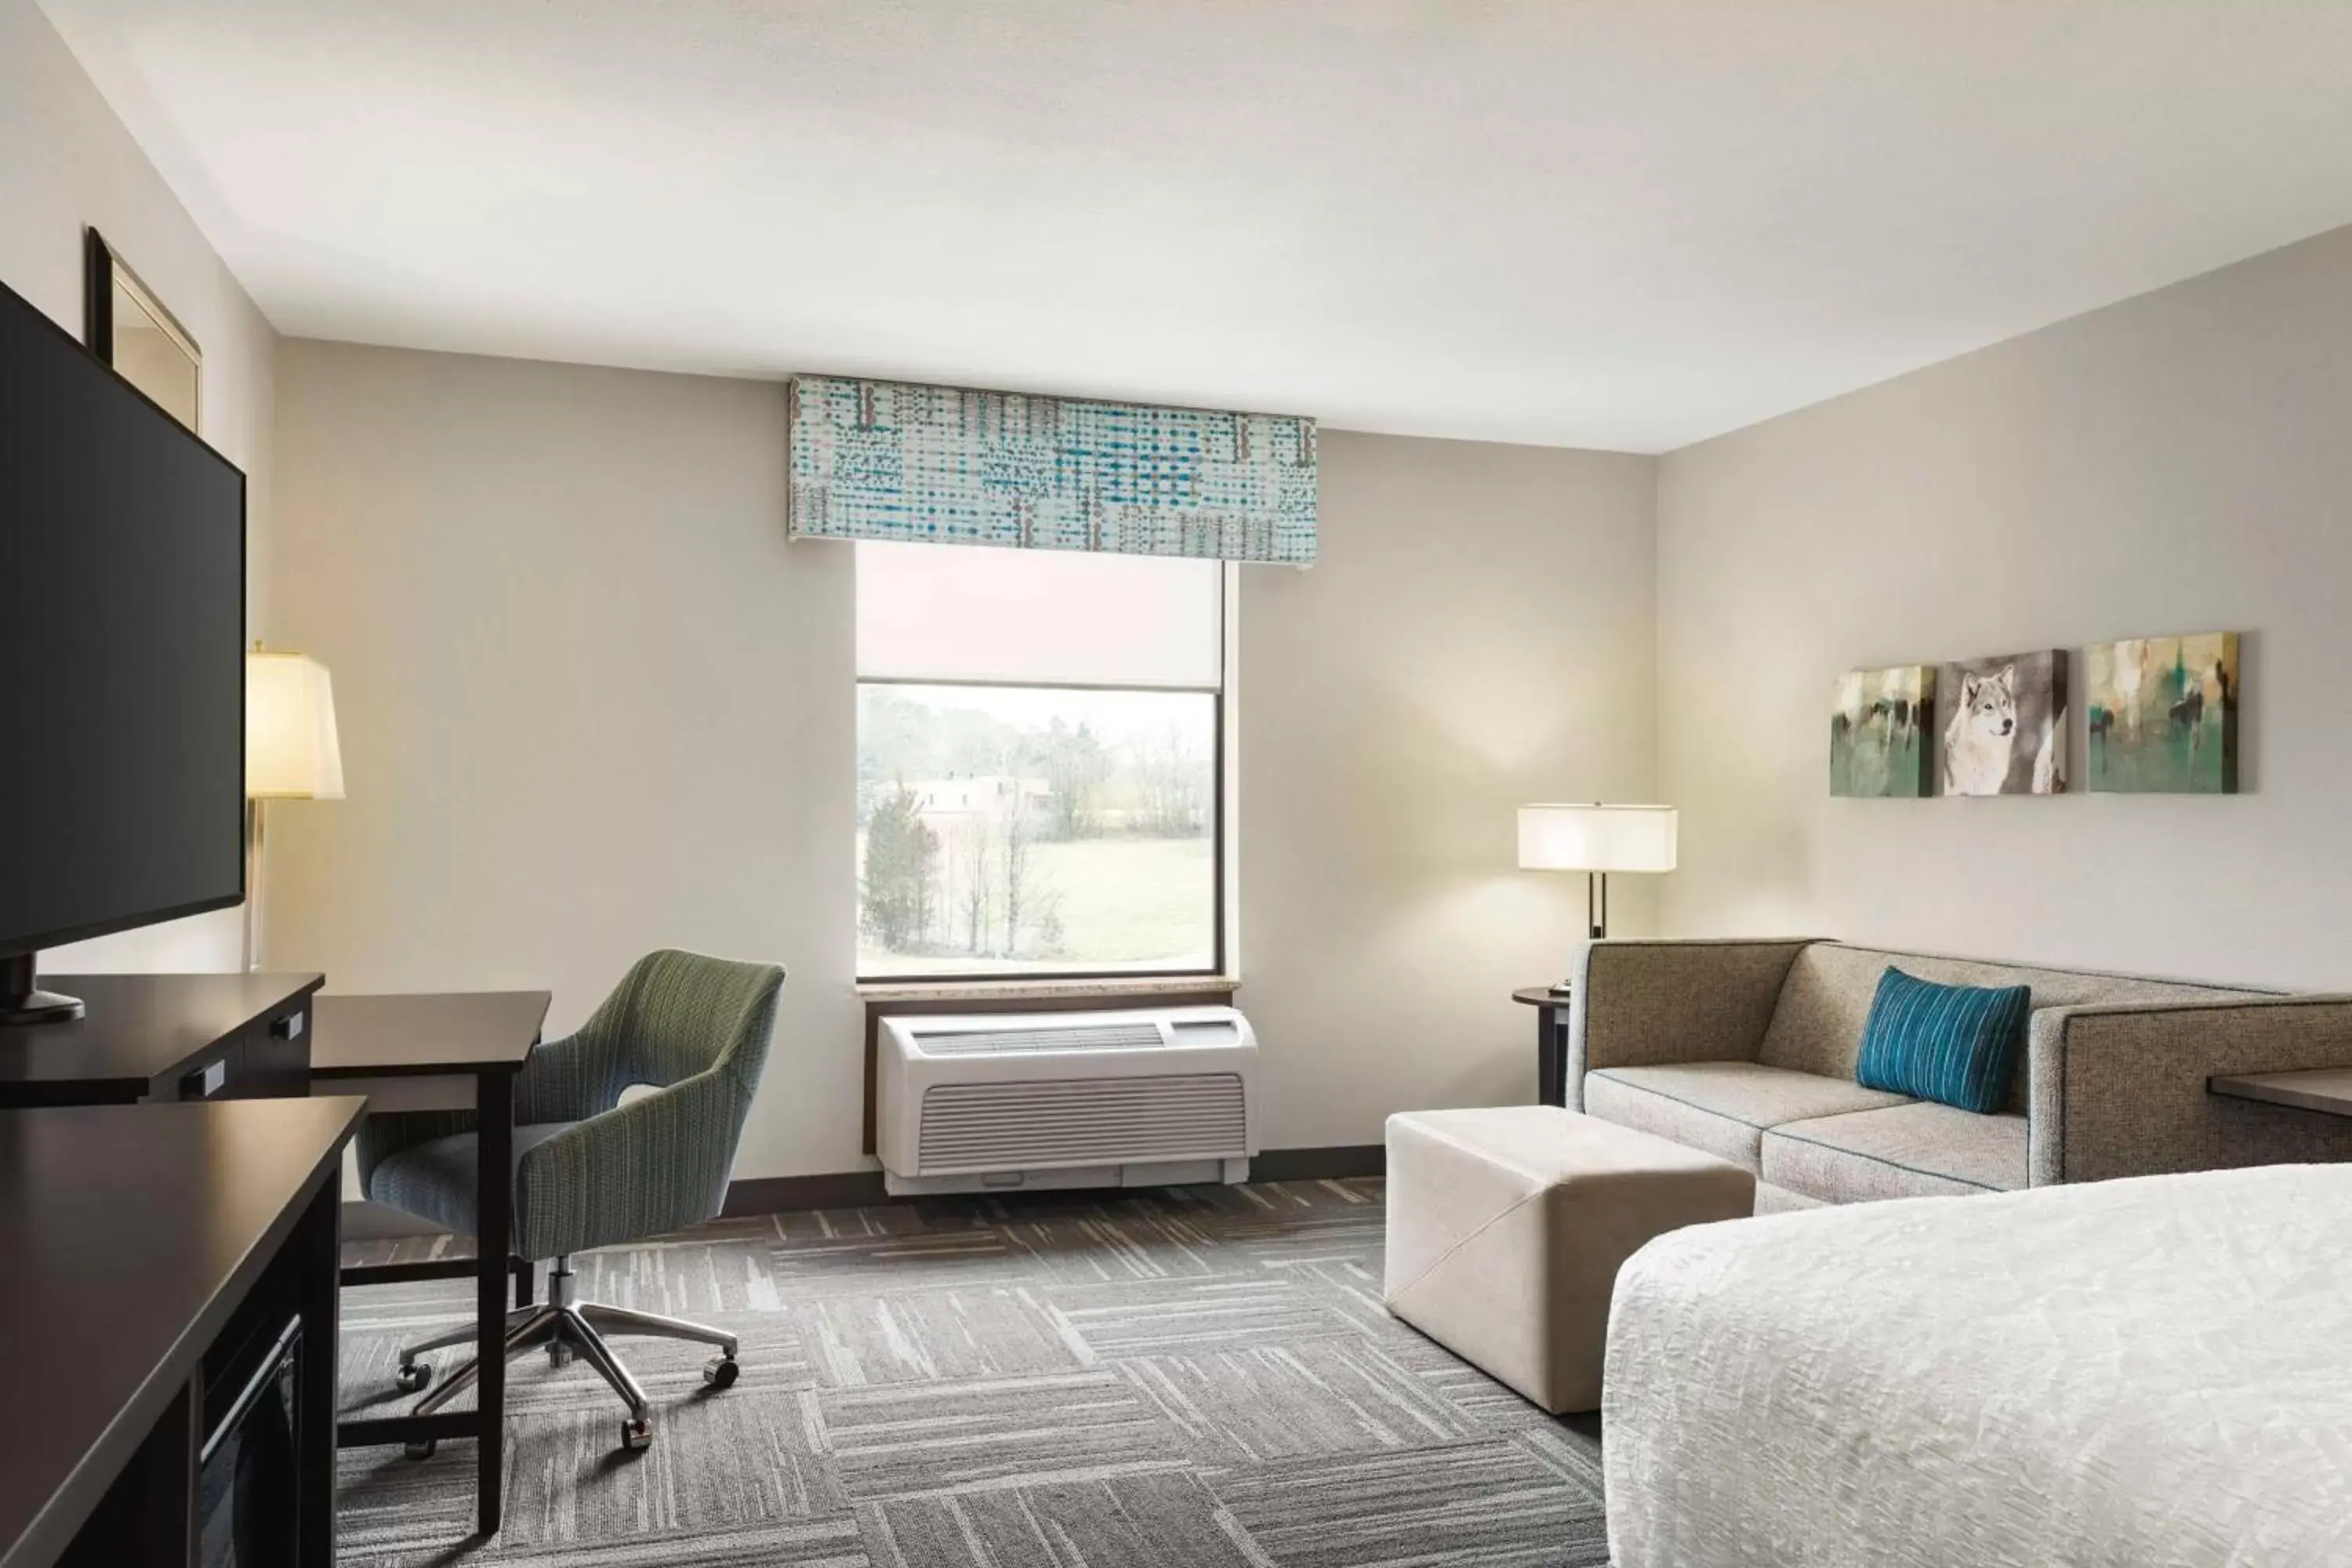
1037,615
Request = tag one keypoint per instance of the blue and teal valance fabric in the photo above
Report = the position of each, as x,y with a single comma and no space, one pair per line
881,459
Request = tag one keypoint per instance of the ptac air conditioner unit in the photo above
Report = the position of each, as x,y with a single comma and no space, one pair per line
994,1101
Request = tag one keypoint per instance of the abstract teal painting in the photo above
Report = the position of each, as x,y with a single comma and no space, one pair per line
1880,725
2164,715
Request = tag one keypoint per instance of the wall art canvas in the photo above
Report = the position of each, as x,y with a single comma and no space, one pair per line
1880,725
2164,714
2005,730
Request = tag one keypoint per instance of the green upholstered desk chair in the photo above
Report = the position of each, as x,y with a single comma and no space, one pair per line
592,1172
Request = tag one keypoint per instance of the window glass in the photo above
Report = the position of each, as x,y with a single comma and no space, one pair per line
1036,830
1038,761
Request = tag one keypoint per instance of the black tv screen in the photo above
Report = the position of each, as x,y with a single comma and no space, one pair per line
121,651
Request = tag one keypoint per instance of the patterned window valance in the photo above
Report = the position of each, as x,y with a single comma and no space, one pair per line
881,459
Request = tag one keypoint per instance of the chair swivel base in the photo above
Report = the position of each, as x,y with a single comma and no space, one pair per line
566,1329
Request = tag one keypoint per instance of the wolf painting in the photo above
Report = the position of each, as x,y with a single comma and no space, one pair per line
2005,725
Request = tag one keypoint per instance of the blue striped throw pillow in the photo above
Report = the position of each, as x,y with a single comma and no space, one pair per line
1955,1043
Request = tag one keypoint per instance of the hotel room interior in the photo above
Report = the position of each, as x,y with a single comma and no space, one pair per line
791,781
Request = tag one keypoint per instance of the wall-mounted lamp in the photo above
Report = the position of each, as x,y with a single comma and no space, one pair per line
291,752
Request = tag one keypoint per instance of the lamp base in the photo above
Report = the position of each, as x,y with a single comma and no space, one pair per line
22,1003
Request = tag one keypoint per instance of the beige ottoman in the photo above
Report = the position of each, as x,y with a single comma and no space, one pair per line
1505,1228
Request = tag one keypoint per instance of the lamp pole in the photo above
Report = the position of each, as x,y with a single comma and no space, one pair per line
252,829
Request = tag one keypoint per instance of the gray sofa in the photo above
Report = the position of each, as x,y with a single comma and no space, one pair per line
1746,1049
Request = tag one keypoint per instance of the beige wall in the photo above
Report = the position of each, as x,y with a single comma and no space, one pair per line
2178,462
592,700
67,164
1479,634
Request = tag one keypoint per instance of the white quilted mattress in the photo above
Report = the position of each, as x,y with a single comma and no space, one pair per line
2125,1374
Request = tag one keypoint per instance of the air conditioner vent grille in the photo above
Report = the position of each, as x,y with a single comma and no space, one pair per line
969,1127
1078,1038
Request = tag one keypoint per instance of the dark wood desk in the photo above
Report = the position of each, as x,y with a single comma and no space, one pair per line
2327,1091
134,1241
1551,1041
163,1038
441,1052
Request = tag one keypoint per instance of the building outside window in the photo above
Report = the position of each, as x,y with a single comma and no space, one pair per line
1039,750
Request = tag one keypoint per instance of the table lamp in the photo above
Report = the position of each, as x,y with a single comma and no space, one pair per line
1596,840
291,752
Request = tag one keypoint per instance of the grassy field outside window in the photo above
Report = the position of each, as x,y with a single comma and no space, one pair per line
1025,829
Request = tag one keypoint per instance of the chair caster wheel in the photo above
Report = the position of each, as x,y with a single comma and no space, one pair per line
636,1436
721,1372
559,1353
420,1450
414,1378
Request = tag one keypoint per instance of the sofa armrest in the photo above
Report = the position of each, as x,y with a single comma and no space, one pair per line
1638,1004
2120,1091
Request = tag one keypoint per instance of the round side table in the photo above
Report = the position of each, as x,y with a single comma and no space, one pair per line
1551,1041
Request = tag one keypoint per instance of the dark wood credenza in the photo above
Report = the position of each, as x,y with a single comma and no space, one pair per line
165,1037
168,1204
155,1255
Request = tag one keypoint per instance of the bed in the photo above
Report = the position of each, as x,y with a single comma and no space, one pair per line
2123,1374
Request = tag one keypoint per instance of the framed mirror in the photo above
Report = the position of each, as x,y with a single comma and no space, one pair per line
126,326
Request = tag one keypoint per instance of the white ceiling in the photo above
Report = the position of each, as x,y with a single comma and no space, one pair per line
1608,223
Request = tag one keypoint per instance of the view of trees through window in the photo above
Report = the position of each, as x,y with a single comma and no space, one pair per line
1012,828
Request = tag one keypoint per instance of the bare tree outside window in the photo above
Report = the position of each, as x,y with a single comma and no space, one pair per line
1075,768
975,898
1176,783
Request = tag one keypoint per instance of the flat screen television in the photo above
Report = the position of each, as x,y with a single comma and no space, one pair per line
122,651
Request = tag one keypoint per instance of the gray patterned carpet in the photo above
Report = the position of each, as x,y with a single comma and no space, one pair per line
1185,1378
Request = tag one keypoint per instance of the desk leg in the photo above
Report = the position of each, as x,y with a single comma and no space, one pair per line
494,1100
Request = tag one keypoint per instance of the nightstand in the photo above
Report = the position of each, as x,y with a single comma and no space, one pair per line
1551,1041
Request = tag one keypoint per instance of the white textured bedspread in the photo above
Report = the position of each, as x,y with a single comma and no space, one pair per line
2127,1375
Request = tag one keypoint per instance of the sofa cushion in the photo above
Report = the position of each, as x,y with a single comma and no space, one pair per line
1722,1107
1918,1150
1817,1025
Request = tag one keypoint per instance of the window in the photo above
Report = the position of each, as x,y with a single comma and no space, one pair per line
1040,744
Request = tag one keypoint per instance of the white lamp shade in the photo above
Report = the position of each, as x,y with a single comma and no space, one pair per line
290,749
1597,838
